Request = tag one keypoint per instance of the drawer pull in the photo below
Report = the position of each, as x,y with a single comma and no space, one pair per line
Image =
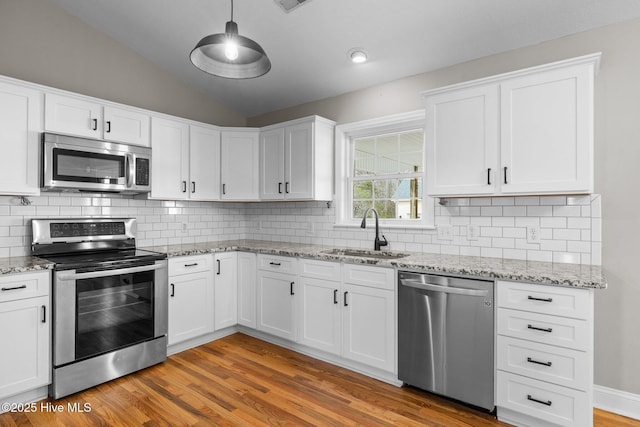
542,402
14,288
529,297
537,362
274,263
191,265
535,328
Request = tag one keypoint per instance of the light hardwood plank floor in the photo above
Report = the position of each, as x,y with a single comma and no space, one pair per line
242,381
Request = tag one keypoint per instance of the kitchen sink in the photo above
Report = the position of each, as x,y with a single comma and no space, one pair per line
365,253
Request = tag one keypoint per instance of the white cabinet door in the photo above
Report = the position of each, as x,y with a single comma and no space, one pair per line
20,125
204,163
461,137
240,165
126,126
170,159
320,312
24,332
191,302
547,132
368,330
247,289
272,181
276,304
226,290
72,116
299,161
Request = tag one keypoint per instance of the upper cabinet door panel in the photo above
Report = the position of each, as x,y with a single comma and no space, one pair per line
462,141
127,126
72,116
547,132
299,161
240,165
170,159
204,163
20,125
272,182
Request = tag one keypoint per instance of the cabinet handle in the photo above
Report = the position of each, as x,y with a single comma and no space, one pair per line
224,188
291,288
173,290
535,328
346,304
218,272
191,265
286,187
44,314
95,124
279,188
184,186
505,175
14,288
335,296
274,263
539,299
108,126
193,186
530,360
488,176
542,402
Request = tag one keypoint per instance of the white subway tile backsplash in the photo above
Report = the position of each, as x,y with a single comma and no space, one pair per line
567,211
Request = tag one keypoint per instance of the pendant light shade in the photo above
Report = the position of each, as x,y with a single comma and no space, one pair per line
230,55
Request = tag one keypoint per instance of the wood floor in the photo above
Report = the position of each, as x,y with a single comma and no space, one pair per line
241,381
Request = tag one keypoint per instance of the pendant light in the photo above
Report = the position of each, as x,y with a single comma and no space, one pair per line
230,55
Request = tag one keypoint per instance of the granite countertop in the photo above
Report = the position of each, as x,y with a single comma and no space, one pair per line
570,275
23,264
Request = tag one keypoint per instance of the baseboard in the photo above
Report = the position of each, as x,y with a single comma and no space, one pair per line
617,401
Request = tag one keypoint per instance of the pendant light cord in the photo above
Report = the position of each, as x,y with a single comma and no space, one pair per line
231,10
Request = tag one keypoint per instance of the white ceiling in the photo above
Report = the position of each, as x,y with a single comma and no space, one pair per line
308,46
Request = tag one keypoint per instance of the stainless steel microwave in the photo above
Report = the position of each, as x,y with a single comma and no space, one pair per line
79,164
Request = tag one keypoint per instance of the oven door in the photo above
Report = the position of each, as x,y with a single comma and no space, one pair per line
99,311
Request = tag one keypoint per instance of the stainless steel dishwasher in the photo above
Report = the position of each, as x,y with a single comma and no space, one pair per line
446,336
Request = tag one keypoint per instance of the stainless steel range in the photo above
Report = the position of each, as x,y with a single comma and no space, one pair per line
109,300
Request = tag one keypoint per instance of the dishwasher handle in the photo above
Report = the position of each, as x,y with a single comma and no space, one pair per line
446,289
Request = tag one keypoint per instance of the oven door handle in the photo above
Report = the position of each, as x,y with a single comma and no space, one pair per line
104,273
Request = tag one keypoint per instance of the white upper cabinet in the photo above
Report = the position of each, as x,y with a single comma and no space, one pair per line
239,164
526,132
20,125
170,159
296,160
204,163
85,118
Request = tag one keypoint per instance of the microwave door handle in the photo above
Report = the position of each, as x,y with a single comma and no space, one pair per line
129,166
104,273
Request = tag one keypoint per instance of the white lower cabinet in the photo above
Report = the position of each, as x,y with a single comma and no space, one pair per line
247,289
277,296
191,297
25,331
226,290
544,354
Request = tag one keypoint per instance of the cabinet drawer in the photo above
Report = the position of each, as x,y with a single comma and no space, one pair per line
549,402
325,270
565,367
24,285
281,264
553,330
545,299
190,264
377,277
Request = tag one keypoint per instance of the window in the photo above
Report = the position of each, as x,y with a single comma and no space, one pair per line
381,164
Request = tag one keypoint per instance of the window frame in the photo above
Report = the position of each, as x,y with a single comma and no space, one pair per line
344,136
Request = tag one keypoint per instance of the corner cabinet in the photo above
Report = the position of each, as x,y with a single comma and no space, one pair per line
526,132
296,160
20,124
239,174
226,290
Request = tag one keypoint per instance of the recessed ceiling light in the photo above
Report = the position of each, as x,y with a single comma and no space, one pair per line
357,55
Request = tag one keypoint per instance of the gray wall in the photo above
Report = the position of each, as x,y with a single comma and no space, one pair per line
617,160
41,43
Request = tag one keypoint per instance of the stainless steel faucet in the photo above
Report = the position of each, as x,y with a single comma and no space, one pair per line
377,242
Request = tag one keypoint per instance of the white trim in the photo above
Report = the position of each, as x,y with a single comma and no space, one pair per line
617,401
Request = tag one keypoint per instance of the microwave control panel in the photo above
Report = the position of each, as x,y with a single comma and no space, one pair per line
142,171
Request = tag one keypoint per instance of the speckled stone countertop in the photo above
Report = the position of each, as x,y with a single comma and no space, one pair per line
23,265
570,275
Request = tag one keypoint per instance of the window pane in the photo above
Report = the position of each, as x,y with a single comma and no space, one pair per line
360,206
411,141
362,190
386,209
364,156
386,154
